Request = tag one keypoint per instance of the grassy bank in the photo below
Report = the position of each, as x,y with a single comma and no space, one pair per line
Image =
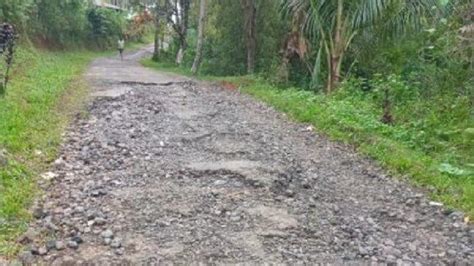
433,149
45,90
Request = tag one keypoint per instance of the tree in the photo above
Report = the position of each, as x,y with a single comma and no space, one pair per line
16,12
58,22
334,24
224,53
179,20
250,26
200,40
160,12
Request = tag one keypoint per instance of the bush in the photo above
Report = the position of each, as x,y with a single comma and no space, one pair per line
66,24
59,23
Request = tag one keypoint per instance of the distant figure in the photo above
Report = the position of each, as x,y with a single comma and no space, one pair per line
121,47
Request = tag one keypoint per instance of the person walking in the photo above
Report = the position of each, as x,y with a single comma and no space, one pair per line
121,47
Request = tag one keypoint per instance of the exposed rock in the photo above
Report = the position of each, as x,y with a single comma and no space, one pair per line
39,212
77,239
48,176
50,244
116,243
435,204
107,234
107,241
59,245
100,221
73,244
26,257
28,236
42,251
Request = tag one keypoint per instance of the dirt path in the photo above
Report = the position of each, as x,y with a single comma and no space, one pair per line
164,170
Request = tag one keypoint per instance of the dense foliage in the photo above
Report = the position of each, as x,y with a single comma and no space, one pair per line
70,23
58,22
15,12
225,39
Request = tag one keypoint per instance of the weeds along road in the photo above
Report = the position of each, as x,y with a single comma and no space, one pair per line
163,169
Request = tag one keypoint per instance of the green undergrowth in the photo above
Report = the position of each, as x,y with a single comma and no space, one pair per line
432,147
44,91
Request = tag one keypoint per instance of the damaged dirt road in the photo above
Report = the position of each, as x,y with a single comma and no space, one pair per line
164,170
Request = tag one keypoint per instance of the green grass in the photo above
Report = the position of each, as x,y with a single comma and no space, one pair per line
415,147
43,93
167,67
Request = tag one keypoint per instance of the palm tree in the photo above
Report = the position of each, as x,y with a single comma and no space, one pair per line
333,24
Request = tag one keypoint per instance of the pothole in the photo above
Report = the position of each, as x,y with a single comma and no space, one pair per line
222,178
135,83
239,166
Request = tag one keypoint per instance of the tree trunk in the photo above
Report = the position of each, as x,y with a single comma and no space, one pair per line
180,54
200,40
162,42
156,51
335,73
159,8
250,13
183,29
337,51
283,73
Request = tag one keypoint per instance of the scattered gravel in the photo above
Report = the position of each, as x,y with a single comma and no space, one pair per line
188,173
